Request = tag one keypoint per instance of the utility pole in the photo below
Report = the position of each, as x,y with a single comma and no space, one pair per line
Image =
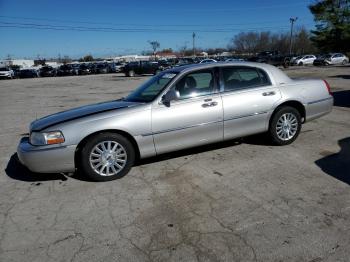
292,21
194,50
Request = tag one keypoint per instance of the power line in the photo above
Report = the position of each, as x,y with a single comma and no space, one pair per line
145,25
127,30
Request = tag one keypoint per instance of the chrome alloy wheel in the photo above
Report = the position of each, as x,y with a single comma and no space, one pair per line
287,126
108,158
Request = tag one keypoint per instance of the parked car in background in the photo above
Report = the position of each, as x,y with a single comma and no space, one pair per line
304,60
84,69
185,61
204,61
332,59
142,68
234,59
101,68
271,57
67,70
47,71
6,73
92,67
28,73
179,108
165,64
115,67
119,67
75,67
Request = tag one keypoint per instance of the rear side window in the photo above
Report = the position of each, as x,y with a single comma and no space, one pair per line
235,78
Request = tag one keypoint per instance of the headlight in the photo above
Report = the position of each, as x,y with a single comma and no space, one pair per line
48,138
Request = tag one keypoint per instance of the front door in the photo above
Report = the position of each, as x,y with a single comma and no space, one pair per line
195,118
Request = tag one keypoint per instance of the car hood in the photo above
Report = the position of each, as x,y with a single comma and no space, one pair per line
78,112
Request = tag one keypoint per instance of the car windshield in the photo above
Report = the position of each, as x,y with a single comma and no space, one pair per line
151,89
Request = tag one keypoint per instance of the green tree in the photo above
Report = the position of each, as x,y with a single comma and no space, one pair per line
332,19
87,58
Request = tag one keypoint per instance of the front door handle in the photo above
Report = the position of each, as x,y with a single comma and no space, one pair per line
209,104
272,93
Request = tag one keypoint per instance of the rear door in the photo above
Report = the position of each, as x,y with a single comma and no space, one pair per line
247,96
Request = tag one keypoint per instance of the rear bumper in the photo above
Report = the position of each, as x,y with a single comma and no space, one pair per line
46,159
316,109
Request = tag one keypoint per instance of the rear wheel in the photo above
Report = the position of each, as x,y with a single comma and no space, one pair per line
285,126
107,156
286,63
344,62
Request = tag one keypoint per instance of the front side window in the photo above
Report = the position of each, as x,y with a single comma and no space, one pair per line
151,89
235,78
195,84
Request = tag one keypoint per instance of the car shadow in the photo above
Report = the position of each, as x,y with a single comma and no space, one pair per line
341,98
341,76
338,165
188,152
17,171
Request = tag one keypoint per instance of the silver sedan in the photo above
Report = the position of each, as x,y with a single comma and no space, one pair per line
179,108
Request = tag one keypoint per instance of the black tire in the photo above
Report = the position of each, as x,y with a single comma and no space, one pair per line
344,62
273,129
300,64
86,166
286,64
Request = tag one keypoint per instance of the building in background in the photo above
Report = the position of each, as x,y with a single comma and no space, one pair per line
23,63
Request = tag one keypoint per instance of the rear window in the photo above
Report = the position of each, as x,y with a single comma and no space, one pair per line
235,78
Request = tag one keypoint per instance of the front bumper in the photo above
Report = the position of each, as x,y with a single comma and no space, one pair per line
5,76
46,159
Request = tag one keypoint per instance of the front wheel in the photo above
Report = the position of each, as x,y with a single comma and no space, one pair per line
285,126
107,156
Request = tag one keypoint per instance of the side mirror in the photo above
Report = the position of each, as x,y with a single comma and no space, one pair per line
171,95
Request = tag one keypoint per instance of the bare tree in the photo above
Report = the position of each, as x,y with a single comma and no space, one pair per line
155,45
253,42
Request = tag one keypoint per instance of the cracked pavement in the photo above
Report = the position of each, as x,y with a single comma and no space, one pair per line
241,200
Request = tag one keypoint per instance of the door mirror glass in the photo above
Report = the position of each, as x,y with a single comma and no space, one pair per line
171,95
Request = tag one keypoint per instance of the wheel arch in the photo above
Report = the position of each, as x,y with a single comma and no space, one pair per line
115,131
292,103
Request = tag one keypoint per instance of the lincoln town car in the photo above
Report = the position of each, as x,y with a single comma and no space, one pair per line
179,108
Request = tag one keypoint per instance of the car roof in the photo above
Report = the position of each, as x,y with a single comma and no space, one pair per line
191,67
277,74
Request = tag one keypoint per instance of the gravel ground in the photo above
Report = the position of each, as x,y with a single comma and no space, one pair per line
241,200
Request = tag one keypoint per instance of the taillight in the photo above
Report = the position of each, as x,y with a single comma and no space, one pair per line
328,87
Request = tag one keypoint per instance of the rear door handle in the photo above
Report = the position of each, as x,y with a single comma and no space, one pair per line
272,93
210,104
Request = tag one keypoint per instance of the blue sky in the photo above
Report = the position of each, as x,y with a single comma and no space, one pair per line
128,25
